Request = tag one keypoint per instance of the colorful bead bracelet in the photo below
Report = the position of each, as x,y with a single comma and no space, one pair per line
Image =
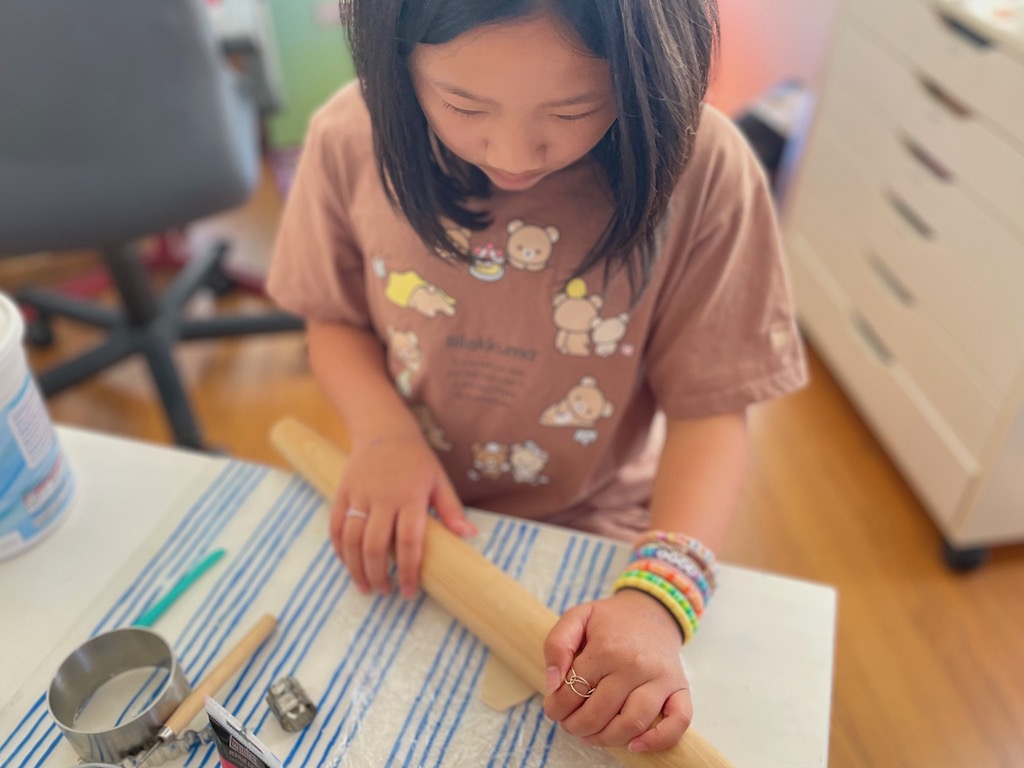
680,561
676,578
664,593
688,545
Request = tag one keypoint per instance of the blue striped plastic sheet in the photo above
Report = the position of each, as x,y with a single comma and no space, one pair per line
396,681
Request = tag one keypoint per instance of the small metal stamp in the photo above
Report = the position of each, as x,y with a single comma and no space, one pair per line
291,706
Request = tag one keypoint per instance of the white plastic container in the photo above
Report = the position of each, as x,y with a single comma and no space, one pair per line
36,484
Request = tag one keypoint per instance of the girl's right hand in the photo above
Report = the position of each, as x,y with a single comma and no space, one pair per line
382,502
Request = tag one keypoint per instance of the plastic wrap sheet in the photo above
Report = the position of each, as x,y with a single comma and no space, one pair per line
396,680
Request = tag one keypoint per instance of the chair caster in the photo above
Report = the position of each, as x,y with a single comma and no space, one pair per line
963,560
39,331
220,283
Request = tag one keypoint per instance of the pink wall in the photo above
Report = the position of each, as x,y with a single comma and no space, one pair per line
766,41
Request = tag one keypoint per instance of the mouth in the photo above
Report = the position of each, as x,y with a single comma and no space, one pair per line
513,181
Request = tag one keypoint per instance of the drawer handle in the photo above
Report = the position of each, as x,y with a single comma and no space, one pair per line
927,159
943,97
872,340
909,215
896,286
972,36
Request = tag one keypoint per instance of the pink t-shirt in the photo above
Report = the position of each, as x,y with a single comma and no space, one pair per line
539,393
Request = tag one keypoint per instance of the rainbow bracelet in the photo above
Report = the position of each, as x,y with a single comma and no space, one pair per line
676,578
687,545
662,591
665,584
680,561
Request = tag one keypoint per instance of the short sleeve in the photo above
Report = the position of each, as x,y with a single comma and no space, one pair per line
724,334
317,268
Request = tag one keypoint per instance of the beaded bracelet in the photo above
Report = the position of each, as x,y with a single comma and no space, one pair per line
664,593
672,591
676,578
643,585
680,561
688,545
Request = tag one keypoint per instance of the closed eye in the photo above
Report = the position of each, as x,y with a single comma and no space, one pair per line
459,111
572,118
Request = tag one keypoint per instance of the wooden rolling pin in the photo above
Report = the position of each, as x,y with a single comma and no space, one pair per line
483,598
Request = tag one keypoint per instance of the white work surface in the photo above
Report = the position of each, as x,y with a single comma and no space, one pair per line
395,680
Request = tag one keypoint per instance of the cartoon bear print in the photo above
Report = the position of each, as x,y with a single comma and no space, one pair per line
490,461
528,460
405,347
583,406
574,314
530,246
607,332
430,428
410,291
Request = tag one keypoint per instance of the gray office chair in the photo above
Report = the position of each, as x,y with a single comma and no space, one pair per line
121,119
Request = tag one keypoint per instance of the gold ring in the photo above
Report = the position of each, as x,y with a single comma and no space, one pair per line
572,681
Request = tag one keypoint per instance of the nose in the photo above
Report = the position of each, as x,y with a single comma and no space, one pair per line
515,149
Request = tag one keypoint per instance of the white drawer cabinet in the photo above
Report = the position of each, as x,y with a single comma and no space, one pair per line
905,236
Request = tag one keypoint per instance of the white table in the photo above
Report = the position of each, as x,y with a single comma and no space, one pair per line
395,680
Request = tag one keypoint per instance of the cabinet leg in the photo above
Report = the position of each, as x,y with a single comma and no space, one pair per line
963,560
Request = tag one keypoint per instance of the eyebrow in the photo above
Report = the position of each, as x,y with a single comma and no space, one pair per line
583,98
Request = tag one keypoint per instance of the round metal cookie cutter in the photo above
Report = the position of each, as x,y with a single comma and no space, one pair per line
95,663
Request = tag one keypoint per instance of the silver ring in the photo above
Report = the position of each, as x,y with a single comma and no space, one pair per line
572,679
356,513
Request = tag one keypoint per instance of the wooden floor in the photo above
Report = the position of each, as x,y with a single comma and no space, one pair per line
929,665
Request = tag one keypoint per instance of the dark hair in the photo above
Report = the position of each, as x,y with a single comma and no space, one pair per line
659,53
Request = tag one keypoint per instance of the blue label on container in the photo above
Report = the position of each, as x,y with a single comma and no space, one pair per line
35,482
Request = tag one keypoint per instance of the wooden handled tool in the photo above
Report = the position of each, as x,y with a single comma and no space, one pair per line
480,595
194,703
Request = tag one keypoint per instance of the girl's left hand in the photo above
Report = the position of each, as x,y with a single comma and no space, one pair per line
627,649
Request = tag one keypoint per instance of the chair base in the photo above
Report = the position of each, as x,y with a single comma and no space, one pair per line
146,325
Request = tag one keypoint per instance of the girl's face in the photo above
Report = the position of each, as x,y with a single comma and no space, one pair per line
516,99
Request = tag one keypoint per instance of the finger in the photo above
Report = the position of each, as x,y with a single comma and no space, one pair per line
449,509
639,711
352,531
563,642
337,523
678,711
562,705
594,713
409,533
377,538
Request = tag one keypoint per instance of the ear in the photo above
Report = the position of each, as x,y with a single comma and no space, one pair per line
588,381
553,234
515,225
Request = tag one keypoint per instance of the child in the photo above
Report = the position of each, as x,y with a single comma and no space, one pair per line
534,285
